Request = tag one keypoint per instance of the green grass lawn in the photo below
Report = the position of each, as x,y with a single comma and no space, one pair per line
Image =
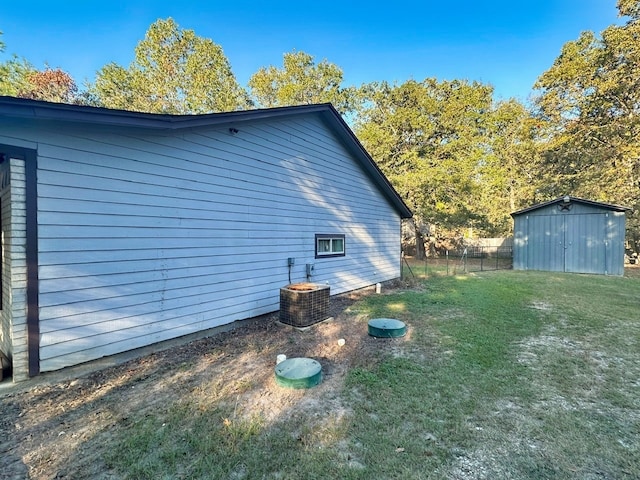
503,375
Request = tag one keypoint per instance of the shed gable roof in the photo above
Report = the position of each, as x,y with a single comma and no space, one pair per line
607,206
36,110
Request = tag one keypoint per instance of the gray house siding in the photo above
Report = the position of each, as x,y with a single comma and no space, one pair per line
13,334
584,237
145,236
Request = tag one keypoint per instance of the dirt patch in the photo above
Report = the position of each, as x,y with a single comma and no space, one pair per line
50,429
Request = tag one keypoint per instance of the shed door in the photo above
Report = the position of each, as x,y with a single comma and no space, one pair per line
584,247
567,243
545,247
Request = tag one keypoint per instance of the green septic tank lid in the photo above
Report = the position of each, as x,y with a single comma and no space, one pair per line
387,328
298,373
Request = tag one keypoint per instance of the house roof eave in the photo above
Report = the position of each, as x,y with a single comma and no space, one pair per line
38,110
41,110
608,206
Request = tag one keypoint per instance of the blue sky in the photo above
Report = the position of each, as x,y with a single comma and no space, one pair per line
507,44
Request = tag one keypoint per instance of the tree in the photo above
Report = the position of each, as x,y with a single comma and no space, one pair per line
591,97
18,78
301,81
52,85
509,172
629,8
13,74
429,138
174,71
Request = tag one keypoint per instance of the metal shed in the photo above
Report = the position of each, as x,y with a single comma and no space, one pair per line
570,234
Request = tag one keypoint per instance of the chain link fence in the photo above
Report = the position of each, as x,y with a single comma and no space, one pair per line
460,261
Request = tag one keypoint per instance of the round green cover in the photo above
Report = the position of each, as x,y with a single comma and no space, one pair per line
387,328
298,373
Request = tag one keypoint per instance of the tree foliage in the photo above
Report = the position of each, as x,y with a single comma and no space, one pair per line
591,97
458,158
13,74
174,71
300,82
629,8
52,85
429,139
18,78
509,172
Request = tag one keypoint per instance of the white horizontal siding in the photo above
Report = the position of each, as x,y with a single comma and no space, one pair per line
145,237
14,278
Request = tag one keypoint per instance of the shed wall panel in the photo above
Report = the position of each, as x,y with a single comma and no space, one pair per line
615,229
